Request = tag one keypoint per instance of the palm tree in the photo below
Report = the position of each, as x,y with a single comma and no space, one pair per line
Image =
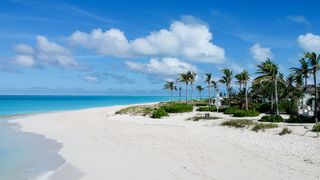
170,86
184,77
268,72
314,60
303,70
192,78
199,89
214,84
239,80
180,90
245,77
226,79
207,78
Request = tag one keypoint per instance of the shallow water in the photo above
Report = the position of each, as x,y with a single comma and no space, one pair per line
25,156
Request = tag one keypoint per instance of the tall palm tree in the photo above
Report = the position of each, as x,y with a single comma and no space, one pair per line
180,91
314,61
184,77
226,79
269,72
303,70
170,86
199,89
245,77
192,78
214,84
207,79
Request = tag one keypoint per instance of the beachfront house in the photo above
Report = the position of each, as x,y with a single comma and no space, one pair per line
306,103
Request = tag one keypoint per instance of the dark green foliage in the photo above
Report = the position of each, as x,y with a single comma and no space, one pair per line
289,107
284,131
316,128
230,110
159,113
262,126
177,108
208,109
300,119
245,113
271,118
237,123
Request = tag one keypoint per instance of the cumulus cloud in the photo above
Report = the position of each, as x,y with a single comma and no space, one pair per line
260,53
309,42
191,40
166,66
45,52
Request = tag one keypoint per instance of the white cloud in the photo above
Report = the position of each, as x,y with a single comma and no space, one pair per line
190,40
91,79
24,60
260,53
298,19
24,49
309,42
166,66
45,52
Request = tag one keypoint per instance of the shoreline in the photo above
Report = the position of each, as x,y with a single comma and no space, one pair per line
97,144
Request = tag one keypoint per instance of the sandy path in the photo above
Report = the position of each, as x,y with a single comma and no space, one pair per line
107,146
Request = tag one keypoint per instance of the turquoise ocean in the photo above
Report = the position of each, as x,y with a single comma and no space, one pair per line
25,156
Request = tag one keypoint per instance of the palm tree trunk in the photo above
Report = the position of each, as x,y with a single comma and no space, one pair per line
171,94
186,93
200,96
271,99
209,93
246,95
315,96
305,82
276,96
191,90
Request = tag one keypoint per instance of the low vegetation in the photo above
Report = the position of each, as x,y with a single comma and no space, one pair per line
197,118
271,118
138,110
238,123
300,119
285,131
207,109
262,126
177,108
316,128
159,113
241,113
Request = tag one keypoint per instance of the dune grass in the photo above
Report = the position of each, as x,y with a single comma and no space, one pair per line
238,123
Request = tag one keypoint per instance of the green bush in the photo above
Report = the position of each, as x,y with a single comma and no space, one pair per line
240,123
316,128
245,113
159,113
262,107
177,108
271,118
289,107
230,110
284,131
208,109
300,119
262,126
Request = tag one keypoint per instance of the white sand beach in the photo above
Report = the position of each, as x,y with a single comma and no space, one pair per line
97,144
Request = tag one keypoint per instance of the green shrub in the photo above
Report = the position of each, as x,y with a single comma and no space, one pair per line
159,113
316,128
208,109
240,123
284,131
245,113
230,110
177,108
300,119
289,107
262,107
262,126
271,118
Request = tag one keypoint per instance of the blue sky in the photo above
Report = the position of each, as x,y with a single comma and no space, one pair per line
131,47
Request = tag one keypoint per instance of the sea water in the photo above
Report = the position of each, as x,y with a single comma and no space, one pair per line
26,156
10,105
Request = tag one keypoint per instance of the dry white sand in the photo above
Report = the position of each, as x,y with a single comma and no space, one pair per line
102,145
